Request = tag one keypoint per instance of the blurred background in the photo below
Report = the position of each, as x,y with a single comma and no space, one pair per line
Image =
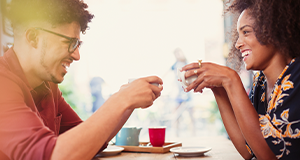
137,38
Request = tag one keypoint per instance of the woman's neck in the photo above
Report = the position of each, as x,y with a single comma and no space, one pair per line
273,71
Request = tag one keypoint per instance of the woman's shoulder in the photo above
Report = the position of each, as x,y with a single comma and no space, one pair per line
294,65
290,72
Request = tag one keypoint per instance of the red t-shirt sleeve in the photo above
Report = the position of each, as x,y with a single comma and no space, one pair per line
23,134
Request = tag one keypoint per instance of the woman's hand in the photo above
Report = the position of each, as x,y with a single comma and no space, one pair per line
141,92
210,75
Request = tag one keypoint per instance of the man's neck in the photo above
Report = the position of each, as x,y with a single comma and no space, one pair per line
22,52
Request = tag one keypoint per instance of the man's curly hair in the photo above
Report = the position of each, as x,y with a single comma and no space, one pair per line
277,23
55,12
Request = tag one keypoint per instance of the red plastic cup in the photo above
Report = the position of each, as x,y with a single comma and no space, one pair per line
157,136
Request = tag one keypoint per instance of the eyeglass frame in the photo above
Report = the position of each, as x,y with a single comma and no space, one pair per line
78,42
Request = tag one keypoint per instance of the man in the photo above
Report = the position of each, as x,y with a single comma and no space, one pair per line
35,121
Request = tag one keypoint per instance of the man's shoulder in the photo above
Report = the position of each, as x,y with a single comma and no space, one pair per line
6,74
10,83
3,65
11,87
5,68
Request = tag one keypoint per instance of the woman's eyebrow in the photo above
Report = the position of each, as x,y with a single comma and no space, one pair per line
241,28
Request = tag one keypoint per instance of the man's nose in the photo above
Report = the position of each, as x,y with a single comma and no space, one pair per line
75,55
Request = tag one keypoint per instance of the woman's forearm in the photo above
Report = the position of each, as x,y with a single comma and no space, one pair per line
230,122
247,118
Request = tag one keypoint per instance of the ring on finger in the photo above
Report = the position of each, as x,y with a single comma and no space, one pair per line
200,61
195,71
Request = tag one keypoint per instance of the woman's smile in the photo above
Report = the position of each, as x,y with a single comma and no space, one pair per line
245,54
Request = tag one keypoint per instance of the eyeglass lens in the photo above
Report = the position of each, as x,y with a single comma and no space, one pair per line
73,45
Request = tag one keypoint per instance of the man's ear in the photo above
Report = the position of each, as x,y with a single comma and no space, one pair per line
32,37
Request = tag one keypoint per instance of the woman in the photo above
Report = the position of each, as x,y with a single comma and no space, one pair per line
266,125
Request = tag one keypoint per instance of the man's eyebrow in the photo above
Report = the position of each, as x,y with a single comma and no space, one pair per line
241,28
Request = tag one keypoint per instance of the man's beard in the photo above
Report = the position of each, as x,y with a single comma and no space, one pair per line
43,53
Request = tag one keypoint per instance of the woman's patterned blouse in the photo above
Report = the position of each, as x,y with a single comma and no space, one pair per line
280,117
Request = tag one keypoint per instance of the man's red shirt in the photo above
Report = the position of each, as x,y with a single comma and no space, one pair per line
30,119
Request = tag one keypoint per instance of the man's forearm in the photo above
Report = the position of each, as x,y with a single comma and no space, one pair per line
85,140
123,120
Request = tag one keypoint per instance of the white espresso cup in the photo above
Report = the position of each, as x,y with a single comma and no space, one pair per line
185,82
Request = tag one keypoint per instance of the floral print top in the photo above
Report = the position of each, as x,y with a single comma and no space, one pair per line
280,117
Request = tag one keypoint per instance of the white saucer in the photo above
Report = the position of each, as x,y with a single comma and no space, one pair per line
111,150
190,151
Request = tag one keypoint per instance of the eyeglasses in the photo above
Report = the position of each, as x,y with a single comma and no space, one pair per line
73,42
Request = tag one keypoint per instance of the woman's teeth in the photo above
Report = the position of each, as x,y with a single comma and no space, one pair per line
246,53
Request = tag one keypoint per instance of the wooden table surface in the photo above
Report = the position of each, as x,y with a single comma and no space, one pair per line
222,149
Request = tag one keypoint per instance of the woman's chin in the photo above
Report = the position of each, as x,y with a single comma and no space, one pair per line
247,67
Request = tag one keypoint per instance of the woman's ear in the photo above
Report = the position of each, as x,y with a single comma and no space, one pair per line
32,37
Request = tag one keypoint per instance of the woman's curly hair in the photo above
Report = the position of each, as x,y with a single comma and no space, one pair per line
277,23
55,12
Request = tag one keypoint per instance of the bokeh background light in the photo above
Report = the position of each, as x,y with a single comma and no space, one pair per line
137,38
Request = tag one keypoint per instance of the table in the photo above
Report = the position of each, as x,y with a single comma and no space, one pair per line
222,149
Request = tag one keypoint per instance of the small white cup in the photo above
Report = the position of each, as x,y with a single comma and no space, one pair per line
185,81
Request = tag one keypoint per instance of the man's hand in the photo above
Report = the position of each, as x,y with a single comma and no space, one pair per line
141,92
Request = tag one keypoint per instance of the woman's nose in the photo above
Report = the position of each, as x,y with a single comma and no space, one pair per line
239,44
